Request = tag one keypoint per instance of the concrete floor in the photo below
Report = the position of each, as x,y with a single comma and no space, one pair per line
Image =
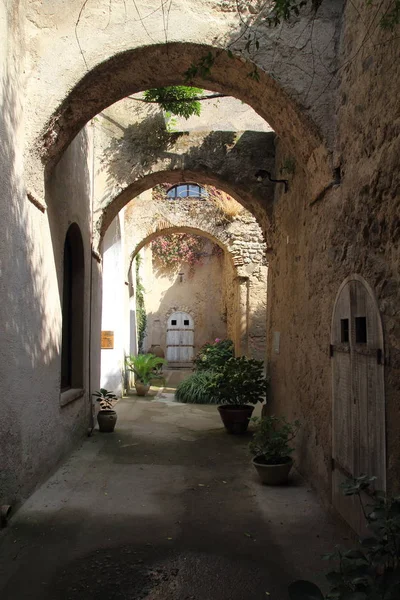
168,507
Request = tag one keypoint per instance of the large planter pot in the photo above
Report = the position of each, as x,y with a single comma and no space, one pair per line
236,418
106,420
273,474
141,389
157,350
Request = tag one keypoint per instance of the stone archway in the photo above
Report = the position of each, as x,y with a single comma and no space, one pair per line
146,155
82,92
241,238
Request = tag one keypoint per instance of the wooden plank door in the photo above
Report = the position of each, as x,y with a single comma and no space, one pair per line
358,423
180,339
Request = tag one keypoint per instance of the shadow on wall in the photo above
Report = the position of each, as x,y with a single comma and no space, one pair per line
30,327
147,147
141,145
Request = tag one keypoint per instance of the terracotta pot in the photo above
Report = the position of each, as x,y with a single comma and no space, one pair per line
157,351
273,474
235,418
141,389
106,419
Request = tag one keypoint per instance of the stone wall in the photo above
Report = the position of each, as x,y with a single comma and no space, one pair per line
353,228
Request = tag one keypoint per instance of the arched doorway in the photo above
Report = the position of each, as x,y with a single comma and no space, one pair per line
180,340
358,421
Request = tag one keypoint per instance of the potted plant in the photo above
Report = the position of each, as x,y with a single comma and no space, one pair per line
146,368
271,448
106,417
236,386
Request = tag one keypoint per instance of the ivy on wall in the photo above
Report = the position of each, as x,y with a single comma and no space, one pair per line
141,318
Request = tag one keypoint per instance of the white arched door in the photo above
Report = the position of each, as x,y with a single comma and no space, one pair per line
180,339
358,424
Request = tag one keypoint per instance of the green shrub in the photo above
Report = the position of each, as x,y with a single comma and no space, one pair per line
214,356
239,381
371,571
195,389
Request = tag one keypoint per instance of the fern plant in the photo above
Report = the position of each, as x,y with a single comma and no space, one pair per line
146,367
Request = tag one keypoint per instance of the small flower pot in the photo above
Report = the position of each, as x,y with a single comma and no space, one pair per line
235,418
106,419
141,389
272,474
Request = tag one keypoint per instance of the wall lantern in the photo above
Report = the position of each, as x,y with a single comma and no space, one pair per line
261,175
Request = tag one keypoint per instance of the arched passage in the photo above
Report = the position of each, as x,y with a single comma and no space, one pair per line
256,203
240,238
151,66
161,229
237,305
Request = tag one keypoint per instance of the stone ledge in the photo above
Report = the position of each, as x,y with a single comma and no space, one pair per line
70,395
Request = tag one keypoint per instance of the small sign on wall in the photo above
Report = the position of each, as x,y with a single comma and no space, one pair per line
107,340
277,341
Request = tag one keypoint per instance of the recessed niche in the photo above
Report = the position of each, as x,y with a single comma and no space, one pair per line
361,330
344,331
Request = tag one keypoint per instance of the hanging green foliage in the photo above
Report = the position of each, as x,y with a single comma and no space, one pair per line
141,318
179,100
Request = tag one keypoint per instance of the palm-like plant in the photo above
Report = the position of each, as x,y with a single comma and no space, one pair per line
146,367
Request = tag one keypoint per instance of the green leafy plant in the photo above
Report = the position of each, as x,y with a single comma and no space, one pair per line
196,389
271,441
179,100
240,381
146,367
105,397
214,356
372,570
141,317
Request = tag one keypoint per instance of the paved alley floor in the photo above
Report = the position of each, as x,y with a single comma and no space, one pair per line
165,508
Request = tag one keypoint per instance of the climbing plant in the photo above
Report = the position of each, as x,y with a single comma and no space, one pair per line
176,248
141,318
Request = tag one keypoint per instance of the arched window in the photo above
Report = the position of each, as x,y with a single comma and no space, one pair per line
186,190
72,311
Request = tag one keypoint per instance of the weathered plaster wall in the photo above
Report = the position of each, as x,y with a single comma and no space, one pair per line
354,228
41,430
200,294
37,430
113,305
